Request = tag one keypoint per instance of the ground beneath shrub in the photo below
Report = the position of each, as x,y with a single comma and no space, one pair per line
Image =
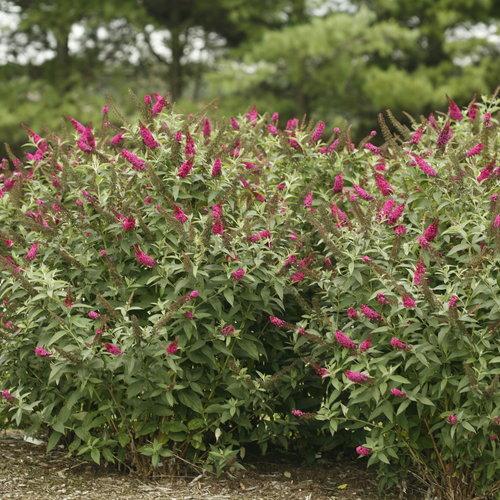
26,471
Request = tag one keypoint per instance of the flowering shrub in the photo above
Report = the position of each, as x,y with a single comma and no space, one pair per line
138,276
177,289
405,316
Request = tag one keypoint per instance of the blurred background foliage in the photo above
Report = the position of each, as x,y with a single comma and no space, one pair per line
336,60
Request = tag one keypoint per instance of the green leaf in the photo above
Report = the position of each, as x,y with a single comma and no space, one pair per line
53,440
96,455
191,400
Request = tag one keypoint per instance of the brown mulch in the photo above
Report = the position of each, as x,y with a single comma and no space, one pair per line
26,471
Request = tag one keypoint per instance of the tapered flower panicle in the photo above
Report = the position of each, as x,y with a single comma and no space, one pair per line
185,169
113,349
238,274
370,313
133,159
419,273
454,111
444,136
216,167
357,377
338,183
318,132
41,352
399,344
277,321
398,393
475,150
32,252
143,258
383,185
363,451
344,340
172,348
148,138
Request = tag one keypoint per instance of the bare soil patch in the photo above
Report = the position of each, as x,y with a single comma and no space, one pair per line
27,472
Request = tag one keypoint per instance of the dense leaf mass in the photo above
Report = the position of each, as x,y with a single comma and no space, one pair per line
182,289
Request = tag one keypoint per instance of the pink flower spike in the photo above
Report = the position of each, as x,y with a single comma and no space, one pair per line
179,214
218,227
454,111
160,103
365,345
143,258
32,252
369,313
93,315
423,165
398,393
297,413
383,185
185,169
444,136
472,110
113,349
419,273
128,223
352,313
431,231
252,115
134,160
227,330
216,167
148,139
41,352
344,340
234,123
277,322
297,277
207,128
452,303
372,148
338,183
318,131
308,200
238,274
475,150
417,136
322,372
400,230
6,394
363,451
496,221
272,129
452,419
381,299
399,344
409,302
217,211
172,348
362,193
356,377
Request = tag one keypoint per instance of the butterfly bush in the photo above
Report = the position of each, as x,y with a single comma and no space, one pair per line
406,321
137,279
178,289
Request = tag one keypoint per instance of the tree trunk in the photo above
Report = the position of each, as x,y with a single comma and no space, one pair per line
62,68
176,73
